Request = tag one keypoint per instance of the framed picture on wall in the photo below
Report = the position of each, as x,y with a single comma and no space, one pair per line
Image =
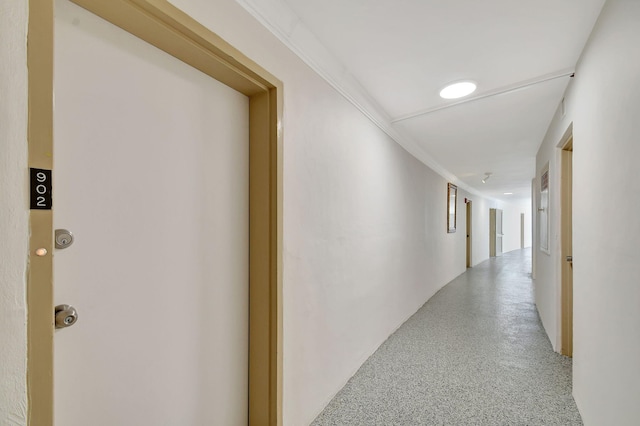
452,202
543,211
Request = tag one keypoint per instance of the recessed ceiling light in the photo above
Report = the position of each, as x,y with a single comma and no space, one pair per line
458,90
508,193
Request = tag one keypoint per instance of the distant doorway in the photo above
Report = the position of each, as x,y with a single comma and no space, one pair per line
566,223
495,232
468,234
521,230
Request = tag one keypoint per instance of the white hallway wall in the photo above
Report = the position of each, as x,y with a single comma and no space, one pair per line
603,105
365,240
511,224
14,219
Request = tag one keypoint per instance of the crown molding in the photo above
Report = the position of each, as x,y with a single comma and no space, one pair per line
515,87
282,21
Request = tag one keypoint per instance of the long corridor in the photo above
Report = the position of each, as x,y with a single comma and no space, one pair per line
474,354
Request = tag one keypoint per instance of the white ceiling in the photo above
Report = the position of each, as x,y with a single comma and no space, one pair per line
392,57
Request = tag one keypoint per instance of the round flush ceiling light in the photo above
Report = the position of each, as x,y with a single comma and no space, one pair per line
458,90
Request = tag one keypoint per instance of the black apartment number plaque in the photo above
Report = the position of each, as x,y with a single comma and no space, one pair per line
41,189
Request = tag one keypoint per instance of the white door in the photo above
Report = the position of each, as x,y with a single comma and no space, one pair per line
499,233
151,176
495,232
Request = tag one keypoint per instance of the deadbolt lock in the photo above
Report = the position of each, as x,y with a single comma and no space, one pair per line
65,315
63,238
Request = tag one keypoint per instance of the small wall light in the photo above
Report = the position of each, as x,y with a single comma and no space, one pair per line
487,175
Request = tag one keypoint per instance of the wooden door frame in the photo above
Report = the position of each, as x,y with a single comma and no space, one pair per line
469,231
492,232
521,230
566,248
534,227
171,30
500,234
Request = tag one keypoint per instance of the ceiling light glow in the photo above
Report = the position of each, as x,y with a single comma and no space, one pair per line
508,193
458,90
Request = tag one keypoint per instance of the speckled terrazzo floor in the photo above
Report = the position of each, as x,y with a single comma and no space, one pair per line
474,354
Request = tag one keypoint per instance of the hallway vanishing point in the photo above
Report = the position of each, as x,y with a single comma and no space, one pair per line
474,354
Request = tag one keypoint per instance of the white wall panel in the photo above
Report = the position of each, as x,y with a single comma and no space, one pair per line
14,216
603,105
